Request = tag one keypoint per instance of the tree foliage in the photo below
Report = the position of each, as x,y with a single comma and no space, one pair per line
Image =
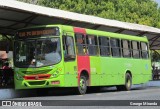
155,55
2,38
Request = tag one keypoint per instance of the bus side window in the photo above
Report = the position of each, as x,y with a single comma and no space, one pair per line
144,50
115,47
81,46
68,47
92,45
135,49
104,46
126,48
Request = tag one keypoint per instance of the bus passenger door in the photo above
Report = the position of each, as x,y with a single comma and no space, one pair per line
70,66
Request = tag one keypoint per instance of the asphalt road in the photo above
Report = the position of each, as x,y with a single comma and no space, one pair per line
151,91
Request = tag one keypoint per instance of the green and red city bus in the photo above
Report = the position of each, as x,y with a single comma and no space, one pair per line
67,56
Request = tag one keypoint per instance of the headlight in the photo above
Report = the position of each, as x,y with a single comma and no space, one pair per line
19,77
55,74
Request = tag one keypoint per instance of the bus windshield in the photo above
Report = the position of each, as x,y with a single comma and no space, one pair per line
37,53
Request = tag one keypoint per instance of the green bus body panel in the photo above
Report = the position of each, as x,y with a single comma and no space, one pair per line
105,71
70,66
112,70
25,84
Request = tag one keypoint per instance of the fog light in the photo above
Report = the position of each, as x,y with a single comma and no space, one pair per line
19,77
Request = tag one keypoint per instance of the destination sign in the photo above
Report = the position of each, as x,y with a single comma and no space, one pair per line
38,32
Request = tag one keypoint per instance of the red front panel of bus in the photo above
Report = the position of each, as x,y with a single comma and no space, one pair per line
83,62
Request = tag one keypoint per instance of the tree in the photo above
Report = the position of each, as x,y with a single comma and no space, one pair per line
155,56
2,38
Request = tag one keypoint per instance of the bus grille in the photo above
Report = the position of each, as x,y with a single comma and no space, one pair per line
37,83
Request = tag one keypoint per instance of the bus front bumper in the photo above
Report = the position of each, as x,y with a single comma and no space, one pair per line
31,84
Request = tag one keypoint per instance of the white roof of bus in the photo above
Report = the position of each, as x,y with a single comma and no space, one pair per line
15,15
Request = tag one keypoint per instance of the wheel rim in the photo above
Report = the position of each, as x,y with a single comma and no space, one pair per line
128,83
82,84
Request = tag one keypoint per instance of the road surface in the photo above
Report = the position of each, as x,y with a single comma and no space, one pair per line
151,91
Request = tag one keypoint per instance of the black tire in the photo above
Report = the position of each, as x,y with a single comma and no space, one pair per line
127,85
82,87
128,82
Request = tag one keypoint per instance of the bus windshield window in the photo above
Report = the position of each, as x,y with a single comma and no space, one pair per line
37,53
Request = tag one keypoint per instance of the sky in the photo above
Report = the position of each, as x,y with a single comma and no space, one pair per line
158,1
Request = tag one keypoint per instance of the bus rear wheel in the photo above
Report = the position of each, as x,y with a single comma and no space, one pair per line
128,82
82,87
127,85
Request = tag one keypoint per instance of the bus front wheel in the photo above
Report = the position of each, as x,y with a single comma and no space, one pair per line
82,87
